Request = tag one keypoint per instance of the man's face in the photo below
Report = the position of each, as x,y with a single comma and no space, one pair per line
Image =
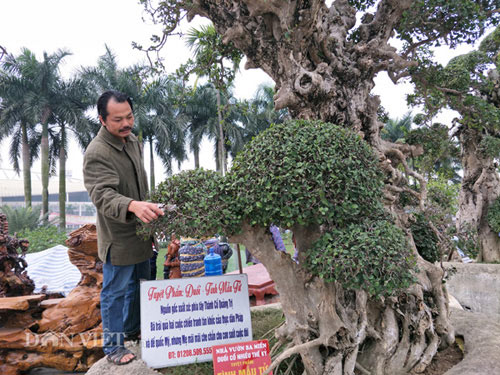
120,120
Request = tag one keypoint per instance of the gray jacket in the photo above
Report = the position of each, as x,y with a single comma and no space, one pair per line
114,175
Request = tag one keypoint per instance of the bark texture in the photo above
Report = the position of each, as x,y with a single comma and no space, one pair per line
480,187
324,72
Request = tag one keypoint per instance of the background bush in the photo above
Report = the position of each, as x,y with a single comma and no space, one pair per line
43,238
22,218
425,239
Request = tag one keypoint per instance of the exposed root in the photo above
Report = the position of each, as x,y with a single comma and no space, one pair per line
294,350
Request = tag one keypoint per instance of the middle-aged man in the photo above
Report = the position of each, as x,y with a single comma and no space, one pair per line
115,178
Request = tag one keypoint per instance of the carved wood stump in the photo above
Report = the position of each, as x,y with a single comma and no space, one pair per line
14,280
63,333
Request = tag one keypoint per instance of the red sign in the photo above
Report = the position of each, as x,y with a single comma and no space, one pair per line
244,358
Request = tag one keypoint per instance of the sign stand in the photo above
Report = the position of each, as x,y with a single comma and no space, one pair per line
181,319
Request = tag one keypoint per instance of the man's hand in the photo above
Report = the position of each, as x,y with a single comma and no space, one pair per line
145,211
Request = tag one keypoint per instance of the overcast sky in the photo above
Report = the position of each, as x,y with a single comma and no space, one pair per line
85,26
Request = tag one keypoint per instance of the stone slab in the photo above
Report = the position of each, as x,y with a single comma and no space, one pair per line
136,367
481,334
476,286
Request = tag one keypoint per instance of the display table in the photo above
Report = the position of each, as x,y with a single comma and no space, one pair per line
259,283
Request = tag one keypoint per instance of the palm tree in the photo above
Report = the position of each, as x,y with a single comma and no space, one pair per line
200,109
201,114
219,62
233,129
3,52
161,125
44,99
257,114
70,117
17,121
397,129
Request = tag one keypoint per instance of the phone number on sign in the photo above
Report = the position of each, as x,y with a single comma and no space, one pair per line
189,352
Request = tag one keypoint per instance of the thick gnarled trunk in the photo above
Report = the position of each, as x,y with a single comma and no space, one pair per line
336,330
480,187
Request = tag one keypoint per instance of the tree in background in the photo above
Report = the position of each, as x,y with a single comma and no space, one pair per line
45,98
469,84
70,117
3,52
17,120
233,128
397,129
219,62
200,109
257,114
162,124
442,152
324,58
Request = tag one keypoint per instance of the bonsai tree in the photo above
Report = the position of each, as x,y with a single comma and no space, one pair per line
354,298
323,59
469,84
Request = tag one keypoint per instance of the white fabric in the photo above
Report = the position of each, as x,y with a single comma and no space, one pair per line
52,268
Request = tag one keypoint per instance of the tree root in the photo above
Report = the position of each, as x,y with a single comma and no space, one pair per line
336,331
294,350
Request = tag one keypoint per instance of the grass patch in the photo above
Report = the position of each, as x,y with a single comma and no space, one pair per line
264,323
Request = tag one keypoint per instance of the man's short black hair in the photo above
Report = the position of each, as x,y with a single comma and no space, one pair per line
102,102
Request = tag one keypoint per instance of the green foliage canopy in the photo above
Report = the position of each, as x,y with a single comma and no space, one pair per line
299,173
466,84
22,218
371,256
447,22
201,204
306,173
43,238
441,156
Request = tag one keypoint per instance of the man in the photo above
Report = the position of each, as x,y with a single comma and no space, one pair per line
115,178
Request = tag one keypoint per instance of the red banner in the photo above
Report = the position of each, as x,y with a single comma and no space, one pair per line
245,358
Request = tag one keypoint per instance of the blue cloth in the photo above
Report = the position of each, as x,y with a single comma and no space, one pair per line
278,244
278,241
120,302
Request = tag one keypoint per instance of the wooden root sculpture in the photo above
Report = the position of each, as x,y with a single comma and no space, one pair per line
63,333
14,280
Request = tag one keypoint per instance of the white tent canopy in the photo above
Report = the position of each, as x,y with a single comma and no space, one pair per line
53,269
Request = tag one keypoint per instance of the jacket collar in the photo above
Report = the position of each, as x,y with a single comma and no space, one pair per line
113,140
